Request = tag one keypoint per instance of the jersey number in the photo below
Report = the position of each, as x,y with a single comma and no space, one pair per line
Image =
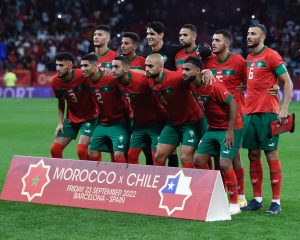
250,75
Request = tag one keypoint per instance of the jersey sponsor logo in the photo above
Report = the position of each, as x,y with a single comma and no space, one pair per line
271,144
226,151
87,130
191,140
35,180
205,98
120,146
175,192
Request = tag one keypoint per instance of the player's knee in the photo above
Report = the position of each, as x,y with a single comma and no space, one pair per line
159,157
254,155
225,164
271,155
93,154
186,157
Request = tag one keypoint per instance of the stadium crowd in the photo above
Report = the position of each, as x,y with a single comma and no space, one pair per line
32,32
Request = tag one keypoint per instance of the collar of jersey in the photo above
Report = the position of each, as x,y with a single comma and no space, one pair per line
226,58
263,48
162,78
101,55
65,79
193,50
134,57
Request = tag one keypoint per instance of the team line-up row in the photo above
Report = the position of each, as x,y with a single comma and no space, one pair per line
127,104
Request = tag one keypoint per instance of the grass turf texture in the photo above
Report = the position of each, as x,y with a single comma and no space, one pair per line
27,128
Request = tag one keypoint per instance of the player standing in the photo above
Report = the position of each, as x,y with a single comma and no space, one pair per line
101,39
230,69
264,67
69,88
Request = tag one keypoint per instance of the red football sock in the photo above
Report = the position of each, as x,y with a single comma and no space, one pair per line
82,151
231,185
133,155
240,177
158,164
275,177
56,150
120,160
188,165
256,176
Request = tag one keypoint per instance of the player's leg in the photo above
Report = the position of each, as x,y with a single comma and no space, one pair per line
136,144
251,141
191,134
86,132
70,132
276,180
169,139
96,144
119,137
239,169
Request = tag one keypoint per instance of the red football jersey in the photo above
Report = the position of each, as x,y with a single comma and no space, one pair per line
232,72
137,62
146,108
263,68
81,105
215,99
105,60
182,55
176,97
111,103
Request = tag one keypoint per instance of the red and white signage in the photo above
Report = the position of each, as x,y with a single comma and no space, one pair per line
162,191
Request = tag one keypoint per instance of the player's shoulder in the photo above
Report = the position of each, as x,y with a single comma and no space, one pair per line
113,52
237,57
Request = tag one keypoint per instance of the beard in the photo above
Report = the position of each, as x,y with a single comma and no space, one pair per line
253,44
149,75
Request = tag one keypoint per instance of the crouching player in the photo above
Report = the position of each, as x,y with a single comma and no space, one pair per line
221,138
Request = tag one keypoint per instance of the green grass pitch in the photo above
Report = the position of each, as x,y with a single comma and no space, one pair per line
27,127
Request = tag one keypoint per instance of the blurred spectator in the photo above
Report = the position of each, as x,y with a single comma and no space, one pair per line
9,78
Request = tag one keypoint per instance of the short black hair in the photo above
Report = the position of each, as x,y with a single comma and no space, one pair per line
123,59
103,27
225,33
64,56
192,27
195,61
261,26
91,57
133,36
158,27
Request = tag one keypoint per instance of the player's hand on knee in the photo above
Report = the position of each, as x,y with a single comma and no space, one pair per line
59,128
229,138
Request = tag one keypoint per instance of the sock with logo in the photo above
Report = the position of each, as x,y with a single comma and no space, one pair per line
82,151
57,150
240,176
231,185
173,160
256,176
133,155
275,177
